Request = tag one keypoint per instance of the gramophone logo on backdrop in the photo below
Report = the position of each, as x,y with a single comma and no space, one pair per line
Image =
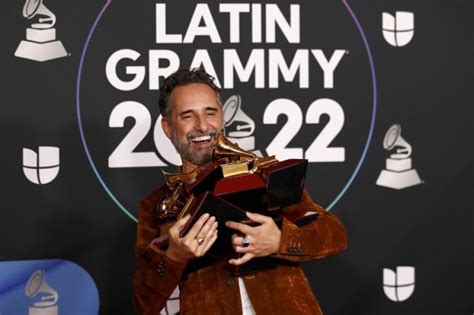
398,172
47,296
40,43
239,127
46,287
41,168
400,285
399,30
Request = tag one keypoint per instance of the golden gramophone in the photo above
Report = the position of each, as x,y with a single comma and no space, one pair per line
243,162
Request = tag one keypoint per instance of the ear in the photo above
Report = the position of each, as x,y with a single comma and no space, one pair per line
166,125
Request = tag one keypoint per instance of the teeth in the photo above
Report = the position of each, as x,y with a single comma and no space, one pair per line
202,138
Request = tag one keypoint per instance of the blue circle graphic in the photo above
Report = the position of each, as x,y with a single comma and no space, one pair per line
336,199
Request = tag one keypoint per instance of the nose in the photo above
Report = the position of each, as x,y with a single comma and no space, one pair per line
201,124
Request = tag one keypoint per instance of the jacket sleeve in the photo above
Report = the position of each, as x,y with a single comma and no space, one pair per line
322,237
156,275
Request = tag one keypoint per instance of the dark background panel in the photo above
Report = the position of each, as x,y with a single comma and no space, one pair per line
425,87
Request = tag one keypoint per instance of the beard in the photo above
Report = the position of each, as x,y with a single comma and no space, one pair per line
184,146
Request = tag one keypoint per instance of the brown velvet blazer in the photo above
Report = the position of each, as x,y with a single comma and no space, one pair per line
213,289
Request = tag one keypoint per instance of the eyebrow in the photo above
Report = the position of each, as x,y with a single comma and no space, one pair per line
189,111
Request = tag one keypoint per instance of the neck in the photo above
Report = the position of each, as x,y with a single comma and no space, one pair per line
188,166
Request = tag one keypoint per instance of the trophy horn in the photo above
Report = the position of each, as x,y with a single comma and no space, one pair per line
224,148
172,180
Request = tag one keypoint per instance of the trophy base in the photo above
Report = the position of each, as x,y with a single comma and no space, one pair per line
50,310
398,180
40,51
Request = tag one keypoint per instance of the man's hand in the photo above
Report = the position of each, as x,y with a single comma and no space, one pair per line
196,242
263,240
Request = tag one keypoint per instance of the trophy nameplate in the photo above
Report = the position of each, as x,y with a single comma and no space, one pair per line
235,168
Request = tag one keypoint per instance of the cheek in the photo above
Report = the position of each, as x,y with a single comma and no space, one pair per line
183,129
216,122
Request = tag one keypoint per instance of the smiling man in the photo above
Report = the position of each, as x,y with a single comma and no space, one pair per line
192,118
192,121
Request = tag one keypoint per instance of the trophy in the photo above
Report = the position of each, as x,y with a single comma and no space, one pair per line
236,181
256,184
249,182
40,43
398,173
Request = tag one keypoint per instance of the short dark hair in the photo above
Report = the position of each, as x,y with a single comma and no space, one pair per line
180,78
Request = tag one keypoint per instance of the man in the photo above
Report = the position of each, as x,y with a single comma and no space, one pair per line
192,117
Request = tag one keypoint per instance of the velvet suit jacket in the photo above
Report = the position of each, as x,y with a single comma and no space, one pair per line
213,290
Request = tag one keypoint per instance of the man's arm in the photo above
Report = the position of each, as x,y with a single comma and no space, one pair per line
158,272
322,237
156,275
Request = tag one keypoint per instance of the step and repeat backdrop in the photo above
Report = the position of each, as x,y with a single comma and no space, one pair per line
375,94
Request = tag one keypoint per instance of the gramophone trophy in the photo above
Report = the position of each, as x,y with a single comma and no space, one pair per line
256,184
236,181
398,173
40,43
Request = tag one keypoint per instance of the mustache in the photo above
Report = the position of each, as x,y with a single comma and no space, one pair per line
195,133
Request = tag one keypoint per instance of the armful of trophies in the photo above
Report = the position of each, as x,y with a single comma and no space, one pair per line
235,182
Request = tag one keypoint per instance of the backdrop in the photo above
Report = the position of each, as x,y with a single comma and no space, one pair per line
376,95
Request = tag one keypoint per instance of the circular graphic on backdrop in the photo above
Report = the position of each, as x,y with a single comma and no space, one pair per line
124,104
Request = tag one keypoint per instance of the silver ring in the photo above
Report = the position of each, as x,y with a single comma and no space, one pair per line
245,242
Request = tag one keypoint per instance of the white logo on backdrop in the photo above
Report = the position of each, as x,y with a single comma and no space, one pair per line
398,173
40,43
399,286
265,69
398,31
42,167
49,297
239,127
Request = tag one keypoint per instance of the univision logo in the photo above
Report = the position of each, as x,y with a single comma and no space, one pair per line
41,168
399,30
399,286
